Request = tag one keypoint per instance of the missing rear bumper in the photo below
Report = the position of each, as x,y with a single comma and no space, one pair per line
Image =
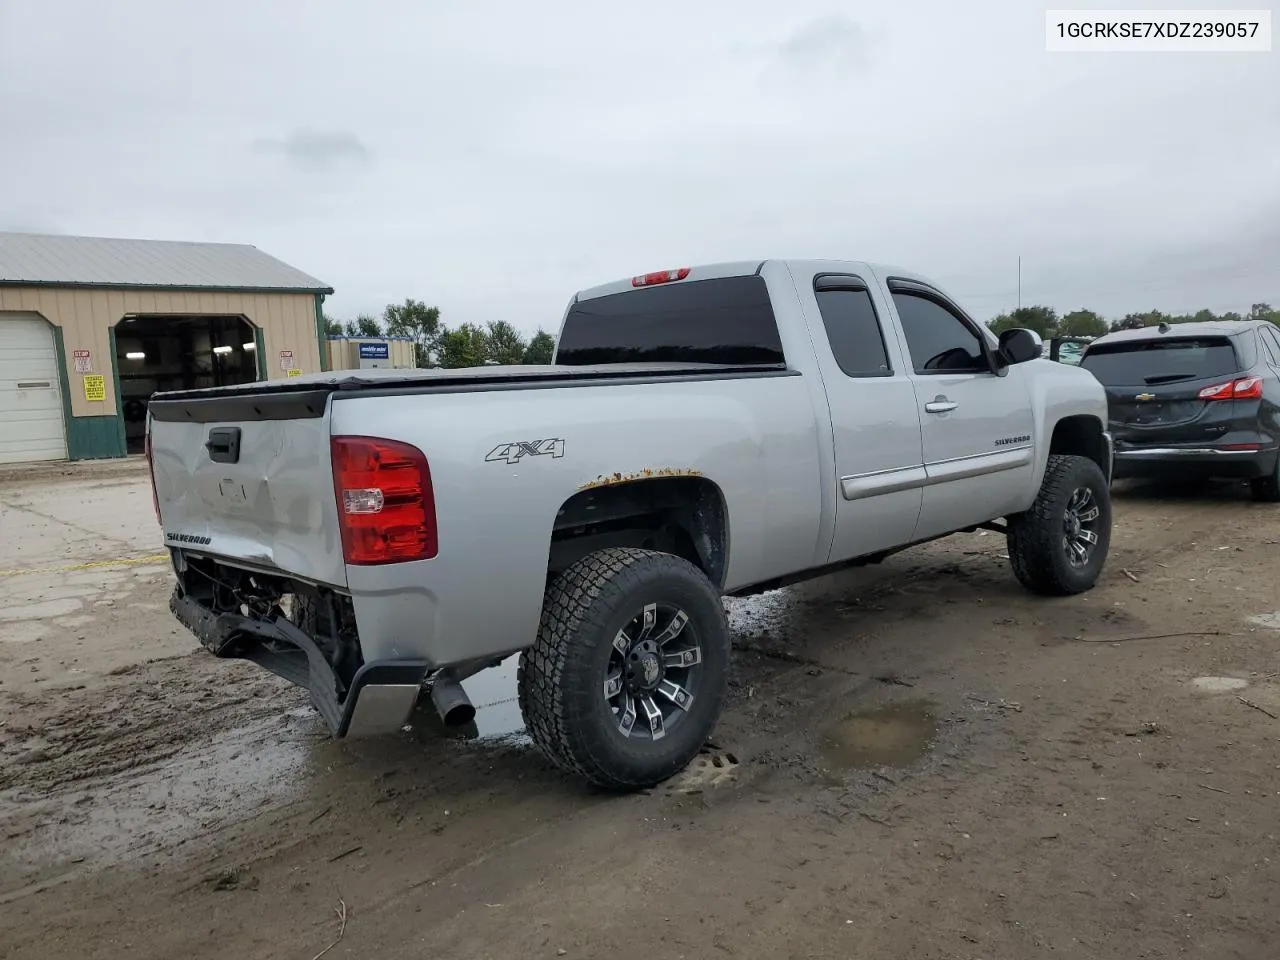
378,700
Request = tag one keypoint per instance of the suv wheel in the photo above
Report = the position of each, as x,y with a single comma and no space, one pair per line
1267,489
629,672
1059,546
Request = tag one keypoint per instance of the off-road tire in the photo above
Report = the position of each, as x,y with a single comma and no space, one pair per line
1036,549
1267,489
560,677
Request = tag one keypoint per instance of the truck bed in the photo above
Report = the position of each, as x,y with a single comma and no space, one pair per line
305,396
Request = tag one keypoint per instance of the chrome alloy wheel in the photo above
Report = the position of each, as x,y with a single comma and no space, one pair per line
1080,526
653,672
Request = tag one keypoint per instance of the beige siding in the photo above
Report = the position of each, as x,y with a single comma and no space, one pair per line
287,321
345,354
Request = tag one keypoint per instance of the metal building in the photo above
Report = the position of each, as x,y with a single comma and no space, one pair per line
91,327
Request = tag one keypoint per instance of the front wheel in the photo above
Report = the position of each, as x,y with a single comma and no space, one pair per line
1059,546
629,672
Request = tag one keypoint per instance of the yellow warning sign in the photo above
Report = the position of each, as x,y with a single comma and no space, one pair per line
95,387
295,372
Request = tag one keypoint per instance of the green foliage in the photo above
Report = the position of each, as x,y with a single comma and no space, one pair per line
363,326
541,348
1081,323
414,319
503,343
1043,320
1086,323
332,327
464,346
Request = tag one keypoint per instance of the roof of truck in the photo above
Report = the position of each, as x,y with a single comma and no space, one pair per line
742,268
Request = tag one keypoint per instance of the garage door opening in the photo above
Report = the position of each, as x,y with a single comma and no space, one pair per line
155,353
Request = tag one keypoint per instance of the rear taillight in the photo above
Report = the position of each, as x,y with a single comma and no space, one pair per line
151,470
1249,388
662,276
386,506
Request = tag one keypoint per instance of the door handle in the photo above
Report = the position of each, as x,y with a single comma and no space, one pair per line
940,404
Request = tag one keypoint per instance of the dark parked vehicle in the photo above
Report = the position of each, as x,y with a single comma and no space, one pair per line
1194,398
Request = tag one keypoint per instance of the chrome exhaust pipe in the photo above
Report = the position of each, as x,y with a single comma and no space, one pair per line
451,702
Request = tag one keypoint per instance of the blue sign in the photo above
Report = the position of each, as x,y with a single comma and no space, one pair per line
375,351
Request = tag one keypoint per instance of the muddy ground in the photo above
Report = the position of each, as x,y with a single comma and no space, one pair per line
918,760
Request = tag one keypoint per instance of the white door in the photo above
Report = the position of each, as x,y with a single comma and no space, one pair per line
31,424
874,418
976,426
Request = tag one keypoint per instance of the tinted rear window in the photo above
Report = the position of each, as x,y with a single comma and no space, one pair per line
726,321
1150,362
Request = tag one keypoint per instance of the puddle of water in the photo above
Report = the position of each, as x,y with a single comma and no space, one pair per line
493,692
1269,620
892,736
1219,684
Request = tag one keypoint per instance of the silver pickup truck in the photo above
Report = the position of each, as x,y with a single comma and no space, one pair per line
373,535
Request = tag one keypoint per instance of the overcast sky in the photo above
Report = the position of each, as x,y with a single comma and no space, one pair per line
493,157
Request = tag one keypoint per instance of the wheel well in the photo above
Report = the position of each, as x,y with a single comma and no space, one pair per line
1081,436
685,516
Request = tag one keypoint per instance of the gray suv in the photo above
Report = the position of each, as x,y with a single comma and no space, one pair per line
1194,398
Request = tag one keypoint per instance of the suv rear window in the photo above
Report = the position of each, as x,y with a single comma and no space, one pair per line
727,320
1147,362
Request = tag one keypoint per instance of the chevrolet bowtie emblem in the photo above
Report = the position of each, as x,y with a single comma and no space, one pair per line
1145,396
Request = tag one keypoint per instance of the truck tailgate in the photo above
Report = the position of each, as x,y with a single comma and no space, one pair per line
257,489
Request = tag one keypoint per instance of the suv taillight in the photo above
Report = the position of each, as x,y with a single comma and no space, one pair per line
1250,388
151,471
386,506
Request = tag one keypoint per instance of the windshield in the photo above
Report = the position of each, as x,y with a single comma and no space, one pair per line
1151,362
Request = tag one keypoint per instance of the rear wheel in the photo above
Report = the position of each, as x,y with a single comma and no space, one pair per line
628,675
1059,546
1267,489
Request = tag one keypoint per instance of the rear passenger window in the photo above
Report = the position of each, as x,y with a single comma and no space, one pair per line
939,341
854,332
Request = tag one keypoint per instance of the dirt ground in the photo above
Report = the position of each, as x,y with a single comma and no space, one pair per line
919,760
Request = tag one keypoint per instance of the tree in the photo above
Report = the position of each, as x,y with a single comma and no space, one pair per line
1082,323
504,342
332,327
1204,316
467,346
1231,315
364,326
1043,320
1131,321
414,319
1261,311
541,348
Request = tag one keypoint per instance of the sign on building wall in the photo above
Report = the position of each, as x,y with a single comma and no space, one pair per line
375,351
286,359
84,361
294,372
95,387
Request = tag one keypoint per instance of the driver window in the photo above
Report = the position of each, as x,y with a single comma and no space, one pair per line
939,341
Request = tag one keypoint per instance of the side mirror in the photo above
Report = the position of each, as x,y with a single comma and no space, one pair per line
1020,345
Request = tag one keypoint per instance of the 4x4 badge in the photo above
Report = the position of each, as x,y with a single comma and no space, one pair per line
1145,396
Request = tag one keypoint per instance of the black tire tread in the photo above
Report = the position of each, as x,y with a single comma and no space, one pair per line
573,616
1033,535
1267,489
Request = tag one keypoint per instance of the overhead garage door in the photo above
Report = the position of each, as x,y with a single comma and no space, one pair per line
31,424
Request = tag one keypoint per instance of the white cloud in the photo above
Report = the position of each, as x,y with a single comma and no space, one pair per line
493,158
